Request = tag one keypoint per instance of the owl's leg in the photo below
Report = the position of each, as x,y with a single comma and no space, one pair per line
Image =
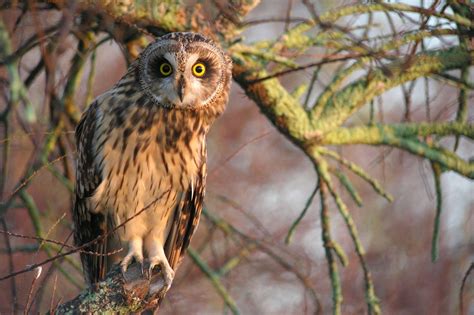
157,257
135,250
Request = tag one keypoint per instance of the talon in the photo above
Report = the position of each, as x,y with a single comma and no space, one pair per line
125,262
134,251
168,274
150,271
157,256
151,267
166,271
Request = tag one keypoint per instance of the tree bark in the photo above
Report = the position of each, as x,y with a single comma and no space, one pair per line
129,292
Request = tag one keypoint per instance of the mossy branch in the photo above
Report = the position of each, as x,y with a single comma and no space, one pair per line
328,248
324,177
344,102
357,170
118,293
439,207
375,132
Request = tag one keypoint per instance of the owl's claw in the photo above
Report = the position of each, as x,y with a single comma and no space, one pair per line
166,271
128,259
134,251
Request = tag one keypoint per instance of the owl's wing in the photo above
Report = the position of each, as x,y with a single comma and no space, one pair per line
87,225
186,218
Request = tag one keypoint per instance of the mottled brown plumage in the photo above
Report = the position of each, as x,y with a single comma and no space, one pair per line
146,138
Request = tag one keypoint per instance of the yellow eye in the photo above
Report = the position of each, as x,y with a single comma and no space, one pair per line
166,69
199,69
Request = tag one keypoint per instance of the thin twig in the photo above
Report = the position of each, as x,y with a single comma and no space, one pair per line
32,287
461,291
307,66
46,240
439,206
229,157
328,247
53,295
79,248
295,223
13,289
211,274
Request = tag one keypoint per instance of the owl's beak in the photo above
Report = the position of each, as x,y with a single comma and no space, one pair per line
181,87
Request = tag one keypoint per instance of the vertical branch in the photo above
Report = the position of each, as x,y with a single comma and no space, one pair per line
292,229
425,79
439,203
462,112
465,41
427,96
32,288
407,92
17,88
323,172
288,15
17,92
5,143
314,77
10,267
53,295
78,62
327,243
90,78
372,113
461,291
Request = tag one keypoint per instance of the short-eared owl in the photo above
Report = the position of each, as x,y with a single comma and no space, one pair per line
142,145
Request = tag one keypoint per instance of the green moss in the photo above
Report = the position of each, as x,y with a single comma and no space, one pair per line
336,108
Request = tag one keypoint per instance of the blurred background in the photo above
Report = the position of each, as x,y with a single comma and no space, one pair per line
258,184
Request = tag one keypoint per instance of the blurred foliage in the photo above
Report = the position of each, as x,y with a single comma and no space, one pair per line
366,63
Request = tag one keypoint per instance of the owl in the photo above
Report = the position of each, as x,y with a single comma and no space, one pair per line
141,165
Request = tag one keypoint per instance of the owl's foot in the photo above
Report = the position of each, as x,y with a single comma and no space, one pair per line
157,257
166,271
134,251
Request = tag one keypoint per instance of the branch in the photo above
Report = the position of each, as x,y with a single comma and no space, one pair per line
361,134
331,112
214,277
119,292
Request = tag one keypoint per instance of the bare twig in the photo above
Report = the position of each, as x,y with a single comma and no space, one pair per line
10,252
85,245
463,284
32,287
295,223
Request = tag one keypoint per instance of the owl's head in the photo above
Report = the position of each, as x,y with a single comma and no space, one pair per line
184,70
